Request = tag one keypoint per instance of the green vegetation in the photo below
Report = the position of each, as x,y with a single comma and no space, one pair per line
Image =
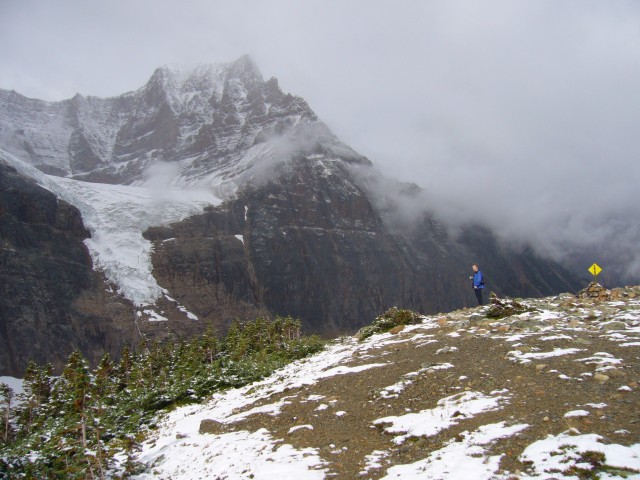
388,320
76,425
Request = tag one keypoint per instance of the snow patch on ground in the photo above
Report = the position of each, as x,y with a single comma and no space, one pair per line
450,411
557,454
465,458
239,454
518,356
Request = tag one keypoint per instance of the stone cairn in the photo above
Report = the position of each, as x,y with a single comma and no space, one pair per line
596,292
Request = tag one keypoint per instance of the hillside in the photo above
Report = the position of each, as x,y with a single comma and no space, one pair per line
548,393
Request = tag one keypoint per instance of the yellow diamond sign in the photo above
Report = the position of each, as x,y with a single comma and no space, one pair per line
595,269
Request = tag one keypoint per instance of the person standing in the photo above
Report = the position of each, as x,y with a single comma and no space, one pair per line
478,282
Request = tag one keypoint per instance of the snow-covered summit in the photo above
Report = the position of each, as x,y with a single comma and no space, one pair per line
206,120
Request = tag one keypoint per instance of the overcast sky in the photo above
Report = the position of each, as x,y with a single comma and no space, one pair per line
521,113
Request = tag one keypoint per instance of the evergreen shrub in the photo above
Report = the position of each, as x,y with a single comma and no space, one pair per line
389,319
89,424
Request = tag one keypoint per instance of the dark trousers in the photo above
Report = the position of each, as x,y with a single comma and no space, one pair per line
478,292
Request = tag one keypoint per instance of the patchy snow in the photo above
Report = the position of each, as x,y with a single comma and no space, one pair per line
602,360
557,454
373,461
394,391
556,337
548,315
576,413
439,366
190,316
298,427
475,453
518,356
446,350
154,316
239,454
342,370
269,409
229,455
450,411
459,459
240,237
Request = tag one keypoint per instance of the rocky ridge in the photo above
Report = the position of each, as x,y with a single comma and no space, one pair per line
549,393
211,122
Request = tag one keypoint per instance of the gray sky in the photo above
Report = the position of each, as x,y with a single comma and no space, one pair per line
523,114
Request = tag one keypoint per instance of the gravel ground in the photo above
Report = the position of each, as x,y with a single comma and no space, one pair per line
570,365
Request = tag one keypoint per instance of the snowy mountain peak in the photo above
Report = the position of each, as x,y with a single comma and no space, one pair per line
207,119
181,84
242,67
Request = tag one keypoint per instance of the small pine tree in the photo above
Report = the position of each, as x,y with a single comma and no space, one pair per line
37,386
6,395
123,372
210,345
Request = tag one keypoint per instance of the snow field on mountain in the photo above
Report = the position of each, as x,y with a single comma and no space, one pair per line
117,215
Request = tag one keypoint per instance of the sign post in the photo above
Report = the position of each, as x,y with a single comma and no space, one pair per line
595,270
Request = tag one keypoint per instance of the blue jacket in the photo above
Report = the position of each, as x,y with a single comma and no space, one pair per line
478,280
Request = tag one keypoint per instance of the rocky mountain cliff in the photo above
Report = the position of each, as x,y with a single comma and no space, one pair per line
302,224
311,244
52,301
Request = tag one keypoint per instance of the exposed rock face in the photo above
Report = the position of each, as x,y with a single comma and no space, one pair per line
312,245
52,300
